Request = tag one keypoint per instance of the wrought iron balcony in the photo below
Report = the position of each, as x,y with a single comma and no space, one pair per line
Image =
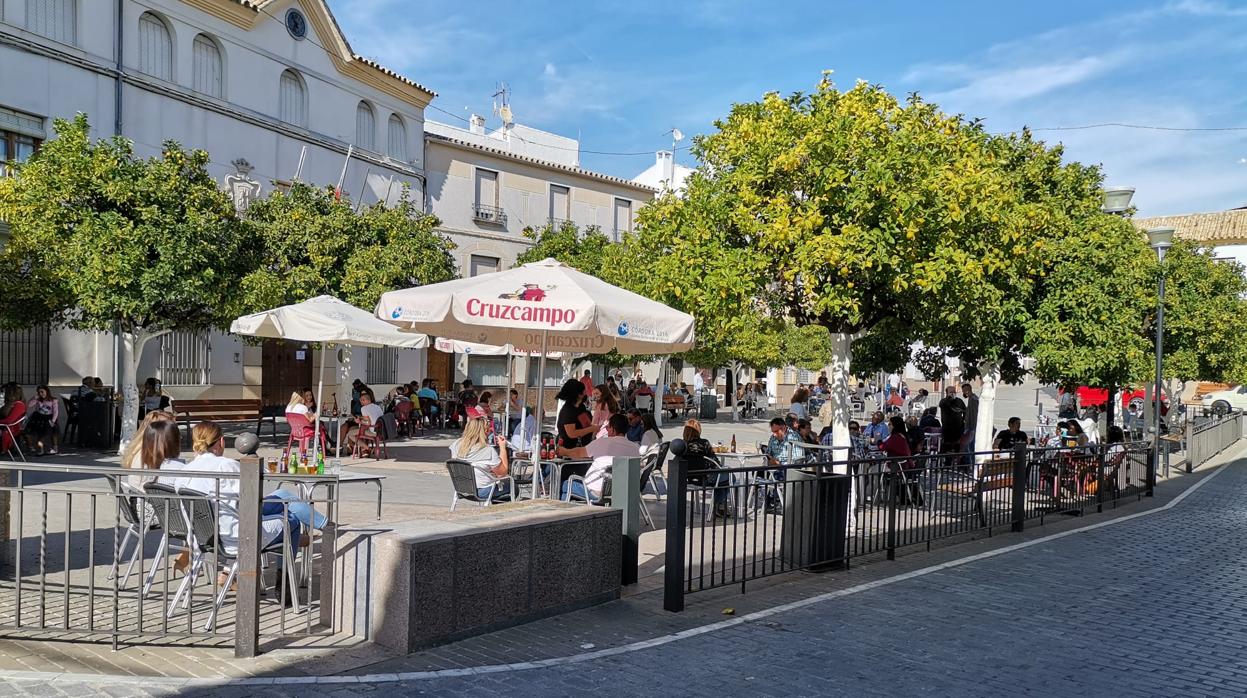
489,214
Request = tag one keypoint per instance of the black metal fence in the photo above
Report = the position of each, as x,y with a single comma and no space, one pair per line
102,554
729,526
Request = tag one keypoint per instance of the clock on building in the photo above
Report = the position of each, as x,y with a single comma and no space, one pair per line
296,23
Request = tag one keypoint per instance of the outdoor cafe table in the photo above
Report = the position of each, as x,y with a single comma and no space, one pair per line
558,471
740,479
308,482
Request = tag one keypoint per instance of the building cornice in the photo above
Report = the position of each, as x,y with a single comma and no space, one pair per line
496,152
247,15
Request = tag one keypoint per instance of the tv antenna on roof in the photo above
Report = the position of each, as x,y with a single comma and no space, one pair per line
502,104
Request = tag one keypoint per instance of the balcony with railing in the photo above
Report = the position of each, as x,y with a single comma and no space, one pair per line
489,214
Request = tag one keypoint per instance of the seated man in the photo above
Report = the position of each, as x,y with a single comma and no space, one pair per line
1008,438
603,452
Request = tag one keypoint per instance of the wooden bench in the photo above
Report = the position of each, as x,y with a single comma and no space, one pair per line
677,403
223,410
992,475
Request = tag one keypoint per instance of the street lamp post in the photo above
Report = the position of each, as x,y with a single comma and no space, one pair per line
1116,202
1159,239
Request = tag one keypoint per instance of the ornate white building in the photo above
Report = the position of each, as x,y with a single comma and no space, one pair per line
274,92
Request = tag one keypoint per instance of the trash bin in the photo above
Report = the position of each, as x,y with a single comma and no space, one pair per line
96,422
816,512
709,406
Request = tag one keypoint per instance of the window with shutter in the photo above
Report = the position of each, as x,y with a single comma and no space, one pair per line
293,99
155,47
365,127
55,19
209,75
397,145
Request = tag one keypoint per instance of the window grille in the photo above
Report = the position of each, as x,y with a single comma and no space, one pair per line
382,366
24,356
185,359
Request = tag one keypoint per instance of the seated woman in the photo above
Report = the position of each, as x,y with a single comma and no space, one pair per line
11,415
42,427
651,437
489,461
699,455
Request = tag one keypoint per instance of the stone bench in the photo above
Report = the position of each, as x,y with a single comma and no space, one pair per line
415,584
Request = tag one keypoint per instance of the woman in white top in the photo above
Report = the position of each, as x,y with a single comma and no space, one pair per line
487,461
651,438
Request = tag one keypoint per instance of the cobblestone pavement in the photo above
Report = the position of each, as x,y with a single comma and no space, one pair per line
1148,604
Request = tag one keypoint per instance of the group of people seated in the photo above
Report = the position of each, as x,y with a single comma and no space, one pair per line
157,446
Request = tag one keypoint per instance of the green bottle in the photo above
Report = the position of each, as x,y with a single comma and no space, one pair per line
320,462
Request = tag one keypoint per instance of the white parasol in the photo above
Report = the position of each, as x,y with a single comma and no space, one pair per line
542,306
326,320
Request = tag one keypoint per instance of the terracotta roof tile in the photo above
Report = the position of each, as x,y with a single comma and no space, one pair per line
1215,228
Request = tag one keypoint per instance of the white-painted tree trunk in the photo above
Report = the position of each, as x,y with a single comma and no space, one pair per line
344,381
734,367
841,378
990,372
132,344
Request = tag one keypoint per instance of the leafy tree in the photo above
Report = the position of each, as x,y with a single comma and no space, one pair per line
1205,338
102,240
584,252
880,221
305,242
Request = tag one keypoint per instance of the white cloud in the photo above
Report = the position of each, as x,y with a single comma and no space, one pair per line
550,71
1205,8
1011,84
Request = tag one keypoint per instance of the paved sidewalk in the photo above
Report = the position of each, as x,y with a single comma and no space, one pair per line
1147,604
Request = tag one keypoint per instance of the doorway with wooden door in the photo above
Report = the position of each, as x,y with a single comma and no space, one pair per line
287,367
441,368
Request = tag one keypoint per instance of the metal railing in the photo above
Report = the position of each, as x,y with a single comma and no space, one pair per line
729,526
1217,432
90,553
489,214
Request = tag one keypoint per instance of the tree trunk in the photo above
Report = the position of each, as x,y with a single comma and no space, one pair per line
990,372
132,344
733,368
841,377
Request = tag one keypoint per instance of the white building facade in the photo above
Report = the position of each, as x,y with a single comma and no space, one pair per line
274,92
271,89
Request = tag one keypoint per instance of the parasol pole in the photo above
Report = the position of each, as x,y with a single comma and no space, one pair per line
320,388
540,410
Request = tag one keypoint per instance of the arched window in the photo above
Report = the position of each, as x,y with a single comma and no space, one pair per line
209,72
55,19
155,47
365,127
293,99
397,141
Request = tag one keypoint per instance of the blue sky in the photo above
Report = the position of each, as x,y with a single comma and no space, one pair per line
620,75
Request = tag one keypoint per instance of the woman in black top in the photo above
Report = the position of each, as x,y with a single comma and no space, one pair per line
575,423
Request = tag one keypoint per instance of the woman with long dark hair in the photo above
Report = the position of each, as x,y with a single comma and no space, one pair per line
574,425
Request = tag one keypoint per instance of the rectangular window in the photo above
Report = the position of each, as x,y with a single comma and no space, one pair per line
382,366
24,356
554,372
489,371
20,136
623,218
486,188
478,265
185,359
560,204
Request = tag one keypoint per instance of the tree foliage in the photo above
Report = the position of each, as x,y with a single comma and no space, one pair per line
584,251
1205,337
305,242
100,238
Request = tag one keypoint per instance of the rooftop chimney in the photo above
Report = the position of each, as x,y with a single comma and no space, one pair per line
476,124
666,165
